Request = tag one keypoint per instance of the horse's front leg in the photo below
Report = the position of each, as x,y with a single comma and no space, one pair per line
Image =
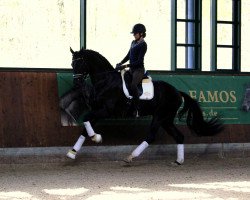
88,132
91,133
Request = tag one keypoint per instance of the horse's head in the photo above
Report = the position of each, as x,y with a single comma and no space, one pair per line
79,64
88,62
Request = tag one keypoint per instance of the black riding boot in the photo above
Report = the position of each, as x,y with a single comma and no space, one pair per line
136,101
137,77
136,112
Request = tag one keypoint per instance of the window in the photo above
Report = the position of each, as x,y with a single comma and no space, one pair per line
186,34
181,34
226,31
38,33
245,39
217,46
206,36
109,23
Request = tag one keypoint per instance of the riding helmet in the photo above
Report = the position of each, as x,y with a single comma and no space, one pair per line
138,28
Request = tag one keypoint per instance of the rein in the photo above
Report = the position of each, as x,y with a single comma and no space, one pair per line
107,72
77,59
84,75
76,76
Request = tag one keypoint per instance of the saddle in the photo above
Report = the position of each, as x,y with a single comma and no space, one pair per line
146,87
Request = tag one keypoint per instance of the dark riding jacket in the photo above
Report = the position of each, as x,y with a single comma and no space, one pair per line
136,55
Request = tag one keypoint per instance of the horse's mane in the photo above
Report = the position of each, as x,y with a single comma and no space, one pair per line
95,57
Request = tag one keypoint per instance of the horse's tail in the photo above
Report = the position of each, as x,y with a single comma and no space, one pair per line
195,120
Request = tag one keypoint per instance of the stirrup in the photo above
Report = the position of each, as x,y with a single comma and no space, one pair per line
136,113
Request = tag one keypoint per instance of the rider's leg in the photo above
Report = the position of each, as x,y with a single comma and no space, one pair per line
137,77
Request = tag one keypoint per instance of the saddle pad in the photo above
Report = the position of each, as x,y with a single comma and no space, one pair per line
147,87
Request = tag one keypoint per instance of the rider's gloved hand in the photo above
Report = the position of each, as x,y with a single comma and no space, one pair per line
118,65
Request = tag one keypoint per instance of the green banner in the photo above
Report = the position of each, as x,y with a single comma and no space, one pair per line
64,82
218,95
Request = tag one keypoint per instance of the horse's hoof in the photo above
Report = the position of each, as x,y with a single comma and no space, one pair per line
71,154
176,163
97,138
128,160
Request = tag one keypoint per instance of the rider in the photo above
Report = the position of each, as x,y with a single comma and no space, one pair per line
135,56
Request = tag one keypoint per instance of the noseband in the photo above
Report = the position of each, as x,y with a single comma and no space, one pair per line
84,75
77,59
77,75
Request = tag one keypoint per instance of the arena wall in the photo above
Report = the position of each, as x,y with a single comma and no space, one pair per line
30,117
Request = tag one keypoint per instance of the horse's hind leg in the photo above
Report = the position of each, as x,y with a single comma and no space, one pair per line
154,127
179,139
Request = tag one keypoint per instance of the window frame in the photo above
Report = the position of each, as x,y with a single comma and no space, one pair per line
83,21
197,35
236,37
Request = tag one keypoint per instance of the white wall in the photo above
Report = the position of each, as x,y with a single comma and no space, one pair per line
109,23
38,33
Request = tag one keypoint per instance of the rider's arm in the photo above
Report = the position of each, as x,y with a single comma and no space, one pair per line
126,58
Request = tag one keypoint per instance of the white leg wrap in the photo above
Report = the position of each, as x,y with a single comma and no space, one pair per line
180,153
79,143
139,149
97,138
89,129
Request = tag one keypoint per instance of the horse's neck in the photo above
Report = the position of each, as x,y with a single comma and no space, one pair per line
104,82
97,77
98,74
102,78
100,68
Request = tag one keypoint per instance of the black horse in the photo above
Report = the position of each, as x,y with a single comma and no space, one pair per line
110,101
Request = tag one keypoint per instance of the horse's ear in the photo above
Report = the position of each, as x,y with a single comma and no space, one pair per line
82,49
71,50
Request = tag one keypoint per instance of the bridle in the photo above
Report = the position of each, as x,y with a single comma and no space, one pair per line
77,59
84,75
79,76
